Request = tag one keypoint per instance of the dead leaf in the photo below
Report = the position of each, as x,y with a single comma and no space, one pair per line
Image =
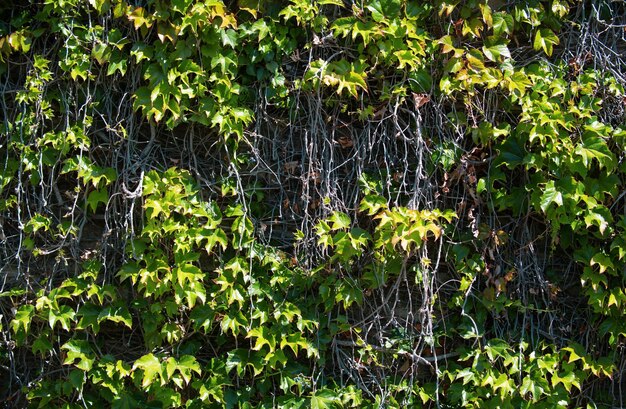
420,100
510,275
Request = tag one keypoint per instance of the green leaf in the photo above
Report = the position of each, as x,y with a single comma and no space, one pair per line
512,153
125,400
519,81
325,399
502,23
598,218
372,204
102,6
332,2
277,359
237,359
365,29
229,38
116,314
264,336
529,385
151,367
81,350
447,44
603,261
88,314
567,378
77,379
496,348
494,52
23,318
186,365
467,374
295,342
545,39
64,314
339,221
384,9
576,352
96,197
181,6
550,195
116,65
37,222
595,147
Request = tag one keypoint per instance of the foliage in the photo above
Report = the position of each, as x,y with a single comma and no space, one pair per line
320,204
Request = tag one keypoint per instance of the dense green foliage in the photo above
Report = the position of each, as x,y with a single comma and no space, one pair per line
322,204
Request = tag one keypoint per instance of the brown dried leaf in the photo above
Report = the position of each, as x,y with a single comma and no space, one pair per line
420,100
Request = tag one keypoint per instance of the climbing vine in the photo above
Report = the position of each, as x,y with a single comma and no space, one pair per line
324,204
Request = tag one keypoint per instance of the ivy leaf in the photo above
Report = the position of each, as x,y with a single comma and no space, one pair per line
603,261
101,53
512,153
372,204
486,14
89,314
181,6
494,52
295,342
141,18
77,379
153,208
151,367
119,65
502,23
186,365
23,318
545,39
595,217
125,401
365,30
550,195
96,197
594,147
116,314
529,385
467,374
234,322
229,38
81,350
475,61
517,82
237,360
64,314
496,348
339,221
325,399
276,359
383,9
263,336
446,44
202,317
504,383
576,352
567,378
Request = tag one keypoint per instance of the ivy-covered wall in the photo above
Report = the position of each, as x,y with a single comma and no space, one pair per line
312,203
